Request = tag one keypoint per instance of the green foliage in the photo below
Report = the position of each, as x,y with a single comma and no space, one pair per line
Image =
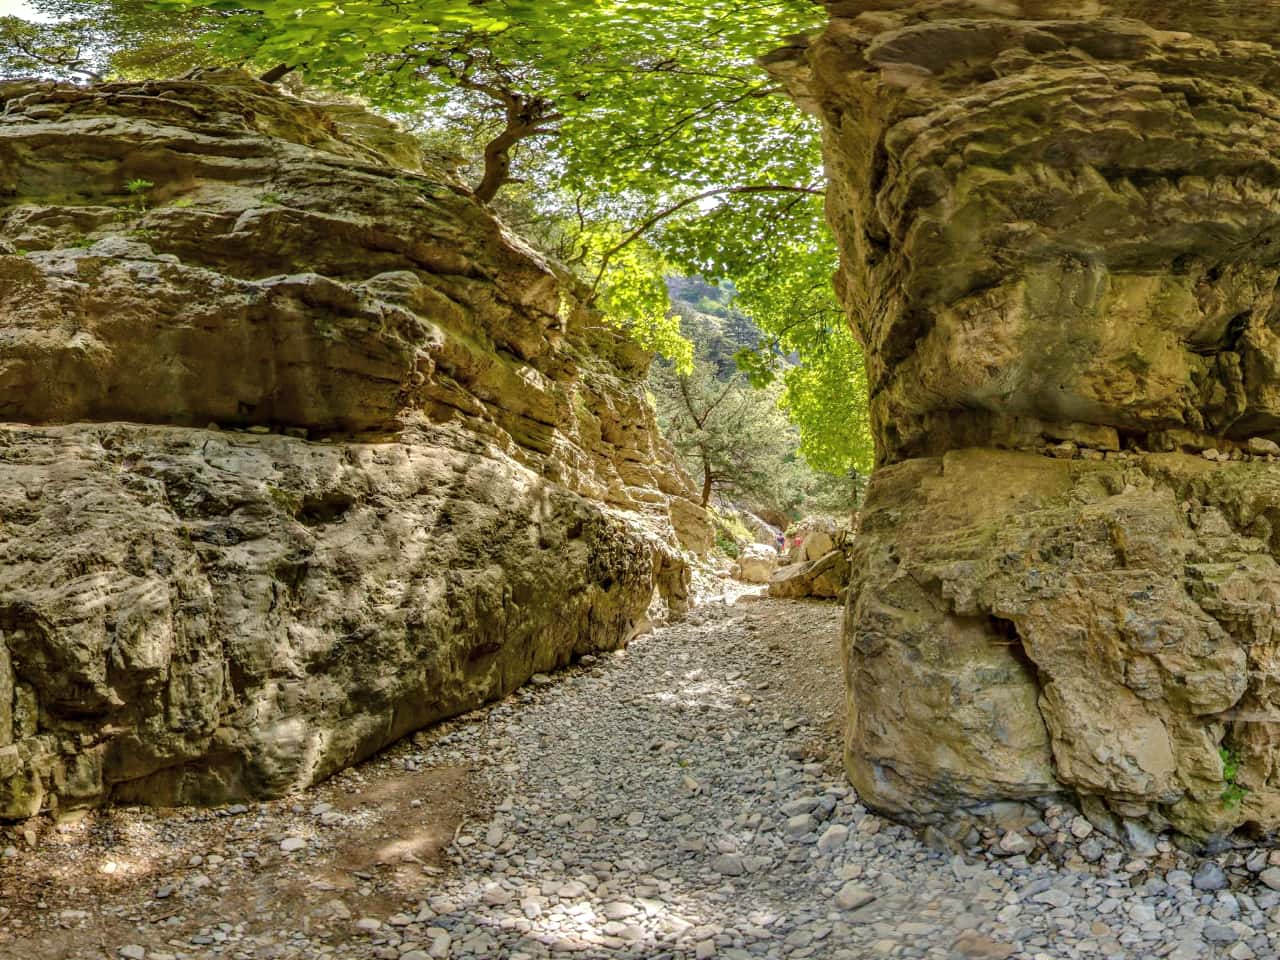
1233,793
799,484
785,289
718,336
86,40
139,188
635,298
43,49
729,531
629,138
826,396
731,436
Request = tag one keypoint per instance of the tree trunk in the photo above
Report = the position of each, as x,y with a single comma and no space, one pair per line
706,482
278,72
497,166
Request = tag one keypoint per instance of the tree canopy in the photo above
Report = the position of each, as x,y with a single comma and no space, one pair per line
638,137
736,440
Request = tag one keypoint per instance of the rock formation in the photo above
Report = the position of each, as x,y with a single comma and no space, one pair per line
811,538
302,449
825,578
1060,235
756,563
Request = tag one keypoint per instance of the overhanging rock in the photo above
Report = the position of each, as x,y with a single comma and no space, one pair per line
1060,237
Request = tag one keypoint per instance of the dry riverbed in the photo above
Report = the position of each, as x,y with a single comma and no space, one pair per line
681,799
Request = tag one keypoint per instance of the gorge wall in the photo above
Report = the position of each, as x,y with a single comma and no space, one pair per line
1060,235
300,449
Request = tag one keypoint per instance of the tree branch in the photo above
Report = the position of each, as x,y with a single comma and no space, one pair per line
278,72
675,208
525,117
70,64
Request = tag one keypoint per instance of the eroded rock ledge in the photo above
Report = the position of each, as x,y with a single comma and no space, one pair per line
1060,234
302,449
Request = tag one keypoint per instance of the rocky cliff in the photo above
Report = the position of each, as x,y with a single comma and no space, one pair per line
1060,237
301,451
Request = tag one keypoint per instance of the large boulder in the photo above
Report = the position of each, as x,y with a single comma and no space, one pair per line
811,538
817,544
757,562
302,449
1060,248
827,577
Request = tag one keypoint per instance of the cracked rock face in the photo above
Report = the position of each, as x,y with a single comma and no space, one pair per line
1060,237
301,450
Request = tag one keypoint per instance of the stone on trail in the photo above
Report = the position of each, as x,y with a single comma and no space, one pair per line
853,895
1014,842
833,838
757,562
619,910
729,864
800,826
1210,876
972,945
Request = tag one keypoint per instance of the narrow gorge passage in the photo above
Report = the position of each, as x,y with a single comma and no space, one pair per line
695,810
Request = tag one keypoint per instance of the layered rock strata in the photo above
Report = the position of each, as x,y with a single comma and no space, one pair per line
1060,237
825,578
302,450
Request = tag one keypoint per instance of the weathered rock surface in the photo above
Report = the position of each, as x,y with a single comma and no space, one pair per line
1060,240
756,563
818,544
826,577
763,531
303,450
811,538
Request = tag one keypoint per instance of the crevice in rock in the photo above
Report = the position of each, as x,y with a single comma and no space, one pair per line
1230,339
331,507
1011,639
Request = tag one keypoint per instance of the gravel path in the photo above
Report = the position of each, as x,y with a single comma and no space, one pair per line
662,805
678,800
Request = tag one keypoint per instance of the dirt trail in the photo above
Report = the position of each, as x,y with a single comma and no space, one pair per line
372,841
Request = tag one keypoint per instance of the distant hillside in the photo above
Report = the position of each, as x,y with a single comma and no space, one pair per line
708,319
733,437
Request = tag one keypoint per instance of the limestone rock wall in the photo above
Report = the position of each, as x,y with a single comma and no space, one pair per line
300,449
1060,237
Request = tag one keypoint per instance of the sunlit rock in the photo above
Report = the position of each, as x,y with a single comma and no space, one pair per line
1060,239
302,449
